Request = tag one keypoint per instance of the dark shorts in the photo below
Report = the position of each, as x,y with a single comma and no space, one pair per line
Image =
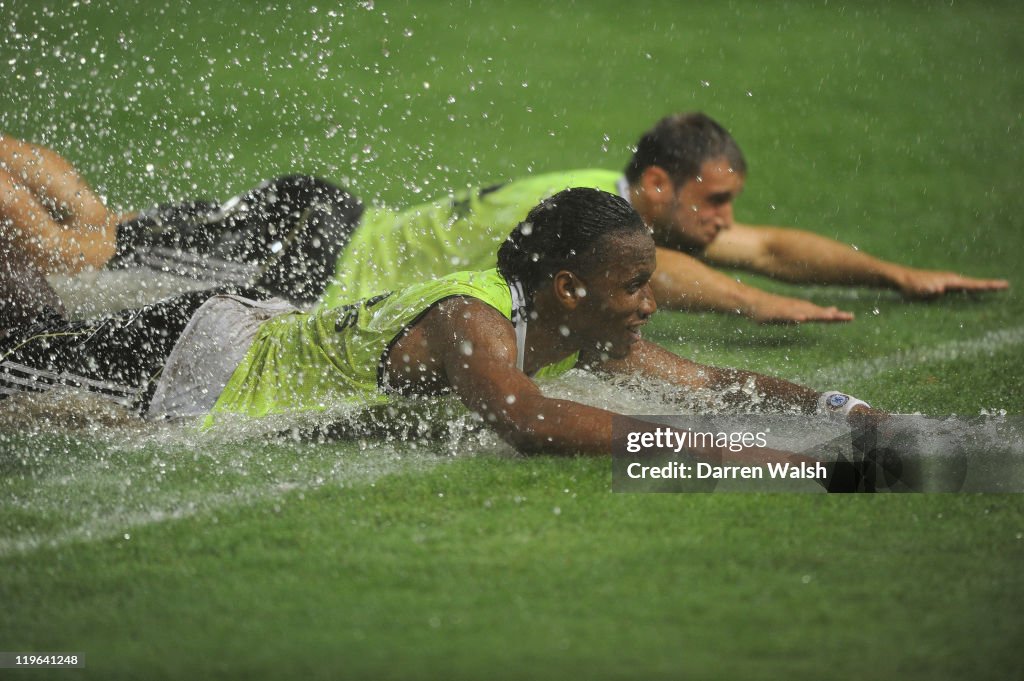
283,237
118,356
25,295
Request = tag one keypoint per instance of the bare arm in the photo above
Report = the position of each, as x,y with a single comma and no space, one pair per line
736,386
472,347
683,282
803,257
653,361
476,347
478,360
48,213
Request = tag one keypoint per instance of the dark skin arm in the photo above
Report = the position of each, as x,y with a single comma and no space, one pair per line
468,347
653,361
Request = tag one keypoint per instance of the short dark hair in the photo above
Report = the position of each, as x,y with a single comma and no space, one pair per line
562,232
680,144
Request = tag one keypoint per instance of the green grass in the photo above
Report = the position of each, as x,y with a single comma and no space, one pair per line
531,567
163,554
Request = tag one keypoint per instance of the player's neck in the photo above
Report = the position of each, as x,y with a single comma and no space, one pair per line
546,338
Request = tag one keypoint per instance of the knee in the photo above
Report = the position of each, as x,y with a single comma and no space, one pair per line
8,187
15,211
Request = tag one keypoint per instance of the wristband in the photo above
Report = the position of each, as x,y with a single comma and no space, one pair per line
835,402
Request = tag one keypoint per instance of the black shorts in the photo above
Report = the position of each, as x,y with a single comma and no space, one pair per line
119,356
283,237
25,294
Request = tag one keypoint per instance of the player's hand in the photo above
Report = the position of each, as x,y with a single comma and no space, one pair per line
863,416
930,283
773,309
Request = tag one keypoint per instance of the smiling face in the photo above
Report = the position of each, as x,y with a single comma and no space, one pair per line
688,217
612,297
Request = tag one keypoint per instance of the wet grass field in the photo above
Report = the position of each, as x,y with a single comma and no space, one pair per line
161,553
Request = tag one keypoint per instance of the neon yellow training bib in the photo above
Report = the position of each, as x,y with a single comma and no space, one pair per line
305,361
390,249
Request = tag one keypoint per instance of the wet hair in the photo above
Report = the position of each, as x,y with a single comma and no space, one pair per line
565,231
680,144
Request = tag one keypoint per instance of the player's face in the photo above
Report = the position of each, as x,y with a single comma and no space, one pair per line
702,207
616,295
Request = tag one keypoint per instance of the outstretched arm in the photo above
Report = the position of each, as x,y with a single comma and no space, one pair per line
478,361
475,346
735,385
48,213
803,257
740,387
682,282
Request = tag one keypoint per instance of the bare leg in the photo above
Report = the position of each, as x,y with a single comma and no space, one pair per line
48,214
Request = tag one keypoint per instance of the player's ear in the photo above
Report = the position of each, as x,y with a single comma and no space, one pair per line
657,185
569,289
